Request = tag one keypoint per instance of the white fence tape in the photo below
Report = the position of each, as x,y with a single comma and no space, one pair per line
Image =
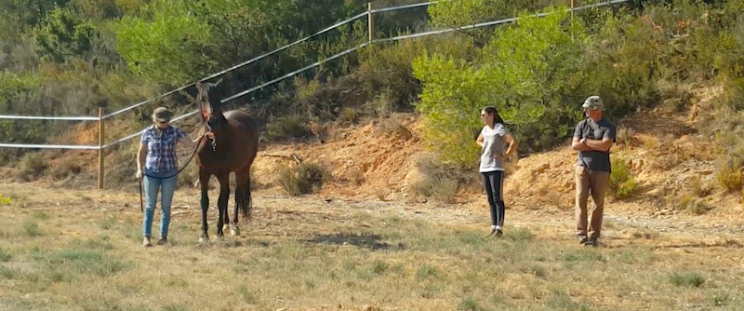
123,139
44,146
407,6
502,21
82,118
349,20
318,63
329,28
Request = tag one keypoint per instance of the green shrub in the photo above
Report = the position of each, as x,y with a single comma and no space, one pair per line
349,115
305,178
622,183
729,173
687,279
730,164
292,126
530,72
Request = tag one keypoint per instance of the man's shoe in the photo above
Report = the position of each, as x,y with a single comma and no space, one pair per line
591,242
583,240
146,242
163,241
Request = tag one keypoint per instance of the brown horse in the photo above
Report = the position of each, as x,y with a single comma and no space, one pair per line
232,147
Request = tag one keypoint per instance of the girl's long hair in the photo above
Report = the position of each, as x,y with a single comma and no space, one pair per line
495,112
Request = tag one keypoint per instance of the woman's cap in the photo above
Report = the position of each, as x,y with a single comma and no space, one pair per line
162,114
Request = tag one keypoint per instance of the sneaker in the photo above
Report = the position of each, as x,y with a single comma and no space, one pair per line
499,233
163,241
591,242
146,242
583,240
496,233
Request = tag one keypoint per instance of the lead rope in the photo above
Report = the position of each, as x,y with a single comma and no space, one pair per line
210,135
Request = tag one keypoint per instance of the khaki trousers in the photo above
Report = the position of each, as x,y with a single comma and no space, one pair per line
596,184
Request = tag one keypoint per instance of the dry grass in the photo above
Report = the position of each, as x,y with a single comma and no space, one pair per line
688,203
66,167
392,126
288,127
349,115
33,165
301,254
441,182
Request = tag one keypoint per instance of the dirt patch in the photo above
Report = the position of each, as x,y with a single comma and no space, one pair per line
362,161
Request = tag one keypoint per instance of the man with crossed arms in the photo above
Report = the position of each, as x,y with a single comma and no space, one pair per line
593,139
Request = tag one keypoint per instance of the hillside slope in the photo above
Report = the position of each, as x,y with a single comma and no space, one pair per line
671,163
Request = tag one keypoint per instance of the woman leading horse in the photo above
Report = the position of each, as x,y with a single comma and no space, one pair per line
157,155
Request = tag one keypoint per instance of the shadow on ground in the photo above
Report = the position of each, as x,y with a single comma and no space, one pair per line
371,241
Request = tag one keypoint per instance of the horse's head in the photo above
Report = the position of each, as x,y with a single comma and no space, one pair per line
210,104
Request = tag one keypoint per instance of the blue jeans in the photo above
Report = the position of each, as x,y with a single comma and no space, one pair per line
167,187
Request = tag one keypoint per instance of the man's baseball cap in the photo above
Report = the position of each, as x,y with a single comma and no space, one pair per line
593,103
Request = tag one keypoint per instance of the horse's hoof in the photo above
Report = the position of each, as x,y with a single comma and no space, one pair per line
220,237
203,239
235,231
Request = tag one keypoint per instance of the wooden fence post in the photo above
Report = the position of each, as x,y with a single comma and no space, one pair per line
101,140
370,22
573,5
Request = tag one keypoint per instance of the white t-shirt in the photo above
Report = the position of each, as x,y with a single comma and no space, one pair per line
493,143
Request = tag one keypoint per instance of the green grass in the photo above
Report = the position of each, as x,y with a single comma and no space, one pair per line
687,279
395,261
31,228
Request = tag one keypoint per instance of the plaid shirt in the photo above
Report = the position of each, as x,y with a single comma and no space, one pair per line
161,148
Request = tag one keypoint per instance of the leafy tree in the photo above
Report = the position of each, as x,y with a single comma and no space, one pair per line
165,45
523,71
64,35
18,16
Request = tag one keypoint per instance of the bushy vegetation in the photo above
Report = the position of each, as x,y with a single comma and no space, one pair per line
538,70
70,57
304,178
622,182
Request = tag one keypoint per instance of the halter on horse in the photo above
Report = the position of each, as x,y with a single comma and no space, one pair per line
233,148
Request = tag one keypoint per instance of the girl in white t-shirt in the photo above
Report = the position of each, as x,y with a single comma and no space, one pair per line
492,139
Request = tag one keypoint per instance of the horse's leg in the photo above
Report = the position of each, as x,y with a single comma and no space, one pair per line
227,215
224,179
248,199
204,183
248,207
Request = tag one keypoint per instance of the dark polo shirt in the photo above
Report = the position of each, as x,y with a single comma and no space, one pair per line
595,160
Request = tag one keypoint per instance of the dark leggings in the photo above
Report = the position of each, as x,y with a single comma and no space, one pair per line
494,182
